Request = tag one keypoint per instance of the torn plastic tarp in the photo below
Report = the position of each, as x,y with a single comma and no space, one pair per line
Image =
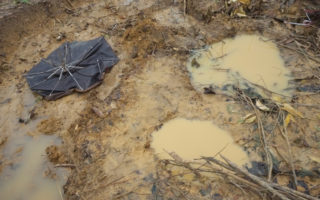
75,66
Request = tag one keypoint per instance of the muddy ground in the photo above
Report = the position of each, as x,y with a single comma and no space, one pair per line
106,132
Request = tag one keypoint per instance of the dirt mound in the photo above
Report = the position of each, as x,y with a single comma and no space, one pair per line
146,38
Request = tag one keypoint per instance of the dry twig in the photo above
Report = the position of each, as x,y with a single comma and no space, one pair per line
239,176
285,135
262,136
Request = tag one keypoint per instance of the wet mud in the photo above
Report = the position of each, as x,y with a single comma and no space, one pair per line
107,133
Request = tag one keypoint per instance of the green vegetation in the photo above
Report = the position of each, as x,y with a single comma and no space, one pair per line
21,1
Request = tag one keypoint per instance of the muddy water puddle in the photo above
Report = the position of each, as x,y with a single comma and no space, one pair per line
26,176
191,139
242,61
25,171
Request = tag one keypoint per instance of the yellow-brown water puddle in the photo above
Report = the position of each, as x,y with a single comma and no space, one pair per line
240,61
191,139
26,172
25,178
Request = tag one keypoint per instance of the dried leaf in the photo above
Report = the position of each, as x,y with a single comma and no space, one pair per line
240,12
261,106
314,158
245,2
288,119
277,98
249,118
291,110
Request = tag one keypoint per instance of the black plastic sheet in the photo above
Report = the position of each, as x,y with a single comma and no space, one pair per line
75,66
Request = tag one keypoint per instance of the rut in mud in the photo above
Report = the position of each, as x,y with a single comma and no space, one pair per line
107,133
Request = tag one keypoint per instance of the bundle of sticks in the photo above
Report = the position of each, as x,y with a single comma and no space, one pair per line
239,175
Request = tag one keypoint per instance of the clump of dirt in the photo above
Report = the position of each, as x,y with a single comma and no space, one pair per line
204,9
3,140
56,155
207,11
49,126
145,38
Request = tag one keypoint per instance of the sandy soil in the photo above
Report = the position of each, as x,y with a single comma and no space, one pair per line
106,132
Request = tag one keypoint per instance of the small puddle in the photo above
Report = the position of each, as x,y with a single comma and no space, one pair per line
25,170
191,139
26,177
239,62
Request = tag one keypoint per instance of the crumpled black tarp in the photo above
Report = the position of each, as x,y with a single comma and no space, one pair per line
75,66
